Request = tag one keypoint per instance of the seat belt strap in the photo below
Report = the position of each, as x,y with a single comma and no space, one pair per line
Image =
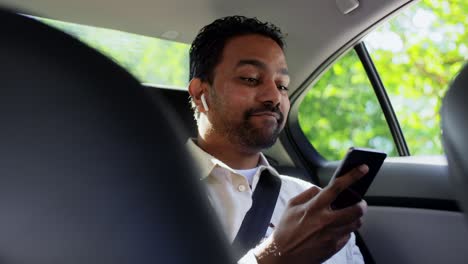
257,219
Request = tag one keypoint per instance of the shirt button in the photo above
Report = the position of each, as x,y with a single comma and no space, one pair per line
241,188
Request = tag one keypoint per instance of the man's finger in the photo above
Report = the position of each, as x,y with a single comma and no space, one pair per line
346,229
349,214
335,187
305,196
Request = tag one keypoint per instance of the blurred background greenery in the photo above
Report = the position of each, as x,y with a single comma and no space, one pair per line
151,60
416,53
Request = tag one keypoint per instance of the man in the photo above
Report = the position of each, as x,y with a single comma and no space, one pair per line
239,79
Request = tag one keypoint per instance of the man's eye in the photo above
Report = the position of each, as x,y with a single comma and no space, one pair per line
283,88
250,81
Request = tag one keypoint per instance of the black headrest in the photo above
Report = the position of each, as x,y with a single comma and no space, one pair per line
91,169
180,100
454,134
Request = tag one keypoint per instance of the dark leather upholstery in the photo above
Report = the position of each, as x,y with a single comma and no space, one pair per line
181,102
91,170
454,116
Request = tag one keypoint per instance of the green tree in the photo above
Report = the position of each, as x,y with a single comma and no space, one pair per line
151,60
416,54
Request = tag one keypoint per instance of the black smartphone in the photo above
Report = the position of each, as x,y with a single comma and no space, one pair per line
355,157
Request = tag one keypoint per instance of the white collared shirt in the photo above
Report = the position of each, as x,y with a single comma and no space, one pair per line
231,196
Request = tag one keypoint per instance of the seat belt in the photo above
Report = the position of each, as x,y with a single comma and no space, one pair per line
257,219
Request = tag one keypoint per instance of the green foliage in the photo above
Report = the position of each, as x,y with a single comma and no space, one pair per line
151,60
342,111
416,54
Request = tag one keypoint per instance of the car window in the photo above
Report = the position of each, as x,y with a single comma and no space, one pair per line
416,54
151,60
341,110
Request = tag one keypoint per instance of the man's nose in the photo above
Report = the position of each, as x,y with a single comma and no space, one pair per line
270,93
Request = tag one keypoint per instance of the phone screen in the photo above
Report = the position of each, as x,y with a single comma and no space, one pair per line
354,158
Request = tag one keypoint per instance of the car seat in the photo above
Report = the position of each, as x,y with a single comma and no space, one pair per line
91,168
454,114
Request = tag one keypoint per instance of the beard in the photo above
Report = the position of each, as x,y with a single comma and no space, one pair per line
249,135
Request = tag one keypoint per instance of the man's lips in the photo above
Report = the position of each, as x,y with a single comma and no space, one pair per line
272,114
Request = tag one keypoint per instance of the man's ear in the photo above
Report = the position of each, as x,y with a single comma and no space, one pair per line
196,89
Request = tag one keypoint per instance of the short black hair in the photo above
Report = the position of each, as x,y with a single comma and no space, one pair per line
207,48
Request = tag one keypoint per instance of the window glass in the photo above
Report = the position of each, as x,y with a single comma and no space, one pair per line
151,60
417,54
341,110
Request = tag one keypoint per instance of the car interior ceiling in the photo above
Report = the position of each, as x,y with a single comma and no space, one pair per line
88,176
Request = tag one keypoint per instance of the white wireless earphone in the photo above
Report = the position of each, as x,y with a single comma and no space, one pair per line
203,100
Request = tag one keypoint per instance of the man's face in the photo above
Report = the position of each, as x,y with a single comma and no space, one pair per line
249,102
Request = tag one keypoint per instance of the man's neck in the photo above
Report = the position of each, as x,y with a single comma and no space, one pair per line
236,157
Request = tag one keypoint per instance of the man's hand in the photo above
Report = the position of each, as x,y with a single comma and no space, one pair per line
309,230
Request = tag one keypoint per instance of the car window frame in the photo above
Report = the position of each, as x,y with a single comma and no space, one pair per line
293,139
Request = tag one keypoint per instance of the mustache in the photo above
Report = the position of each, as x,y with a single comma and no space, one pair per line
263,109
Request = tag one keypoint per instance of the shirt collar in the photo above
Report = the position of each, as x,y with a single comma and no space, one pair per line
207,162
203,160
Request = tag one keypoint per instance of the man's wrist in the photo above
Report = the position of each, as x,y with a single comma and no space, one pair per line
267,252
